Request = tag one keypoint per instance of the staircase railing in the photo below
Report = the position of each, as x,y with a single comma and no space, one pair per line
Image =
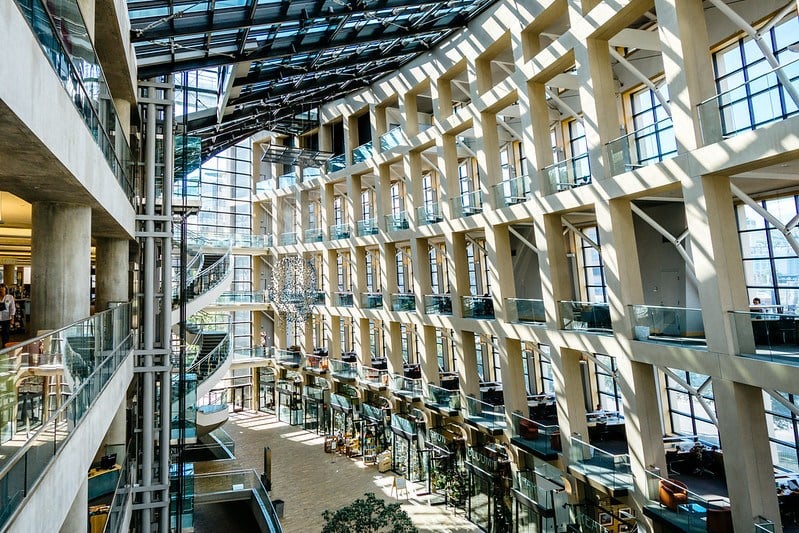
113,342
204,280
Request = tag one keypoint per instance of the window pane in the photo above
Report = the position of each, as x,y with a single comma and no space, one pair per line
758,272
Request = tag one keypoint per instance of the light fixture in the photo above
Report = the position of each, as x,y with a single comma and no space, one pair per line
293,289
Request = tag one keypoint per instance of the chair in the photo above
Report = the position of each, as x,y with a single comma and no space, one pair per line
527,429
673,493
554,441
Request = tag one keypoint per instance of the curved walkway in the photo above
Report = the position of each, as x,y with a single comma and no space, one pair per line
309,480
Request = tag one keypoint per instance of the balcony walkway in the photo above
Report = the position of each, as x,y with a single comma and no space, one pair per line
310,480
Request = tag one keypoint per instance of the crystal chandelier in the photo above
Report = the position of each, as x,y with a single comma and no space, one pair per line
293,289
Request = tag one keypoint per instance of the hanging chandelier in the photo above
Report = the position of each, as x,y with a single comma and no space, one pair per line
293,289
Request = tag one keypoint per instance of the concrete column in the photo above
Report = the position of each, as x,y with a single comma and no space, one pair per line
620,259
448,178
466,361
748,466
639,385
500,265
409,111
553,264
10,274
421,271
363,349
489,170
513,385
710,216
334,344
61,264
535,133
111,272
429,356
597,90
459,281
443,97
77,520
688,66
568,377
117,432
394,355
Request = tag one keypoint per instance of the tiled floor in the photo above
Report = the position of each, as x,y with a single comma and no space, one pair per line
309,480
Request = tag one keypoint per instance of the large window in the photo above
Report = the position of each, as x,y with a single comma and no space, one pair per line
783,430
593,269
578,150
687,414
545,363
764,100
771,267
608,392
654,137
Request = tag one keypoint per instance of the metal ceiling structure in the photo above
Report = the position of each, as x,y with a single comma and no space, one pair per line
285,58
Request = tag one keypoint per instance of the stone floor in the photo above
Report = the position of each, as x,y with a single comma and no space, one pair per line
309,480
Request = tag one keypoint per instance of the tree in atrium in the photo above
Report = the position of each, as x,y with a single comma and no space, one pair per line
368,515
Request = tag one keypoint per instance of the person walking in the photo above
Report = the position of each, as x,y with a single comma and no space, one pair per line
8,309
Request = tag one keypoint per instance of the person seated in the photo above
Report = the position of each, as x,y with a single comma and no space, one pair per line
755,307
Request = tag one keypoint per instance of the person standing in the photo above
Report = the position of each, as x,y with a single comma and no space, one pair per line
8,309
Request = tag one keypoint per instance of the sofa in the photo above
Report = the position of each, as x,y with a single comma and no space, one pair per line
673,493
527,429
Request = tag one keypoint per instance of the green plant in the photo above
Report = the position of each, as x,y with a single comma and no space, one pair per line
368,515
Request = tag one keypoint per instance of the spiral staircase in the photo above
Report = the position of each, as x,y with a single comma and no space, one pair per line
209,350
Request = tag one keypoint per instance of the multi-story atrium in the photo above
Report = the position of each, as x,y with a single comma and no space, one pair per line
538,258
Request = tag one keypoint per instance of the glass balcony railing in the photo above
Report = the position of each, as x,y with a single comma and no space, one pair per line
438,304
216,483
317,363
477,306
404,424
403,302
344,370
428,214
611,471
541,439
767,335
264,186
679,325
585,316
374,376
253,353
344,299
513,191
672,502
445,399
313,235
319,299
291,358
491,417
343,402
362,153
573,172
406,387
372,300
288,239
81,75
336,163
287,180
645,146
339,231
525,311
373,413
755,103
551,500
397,222
392,139
467,204
310,173
225,240
367,226
241,298
91,351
